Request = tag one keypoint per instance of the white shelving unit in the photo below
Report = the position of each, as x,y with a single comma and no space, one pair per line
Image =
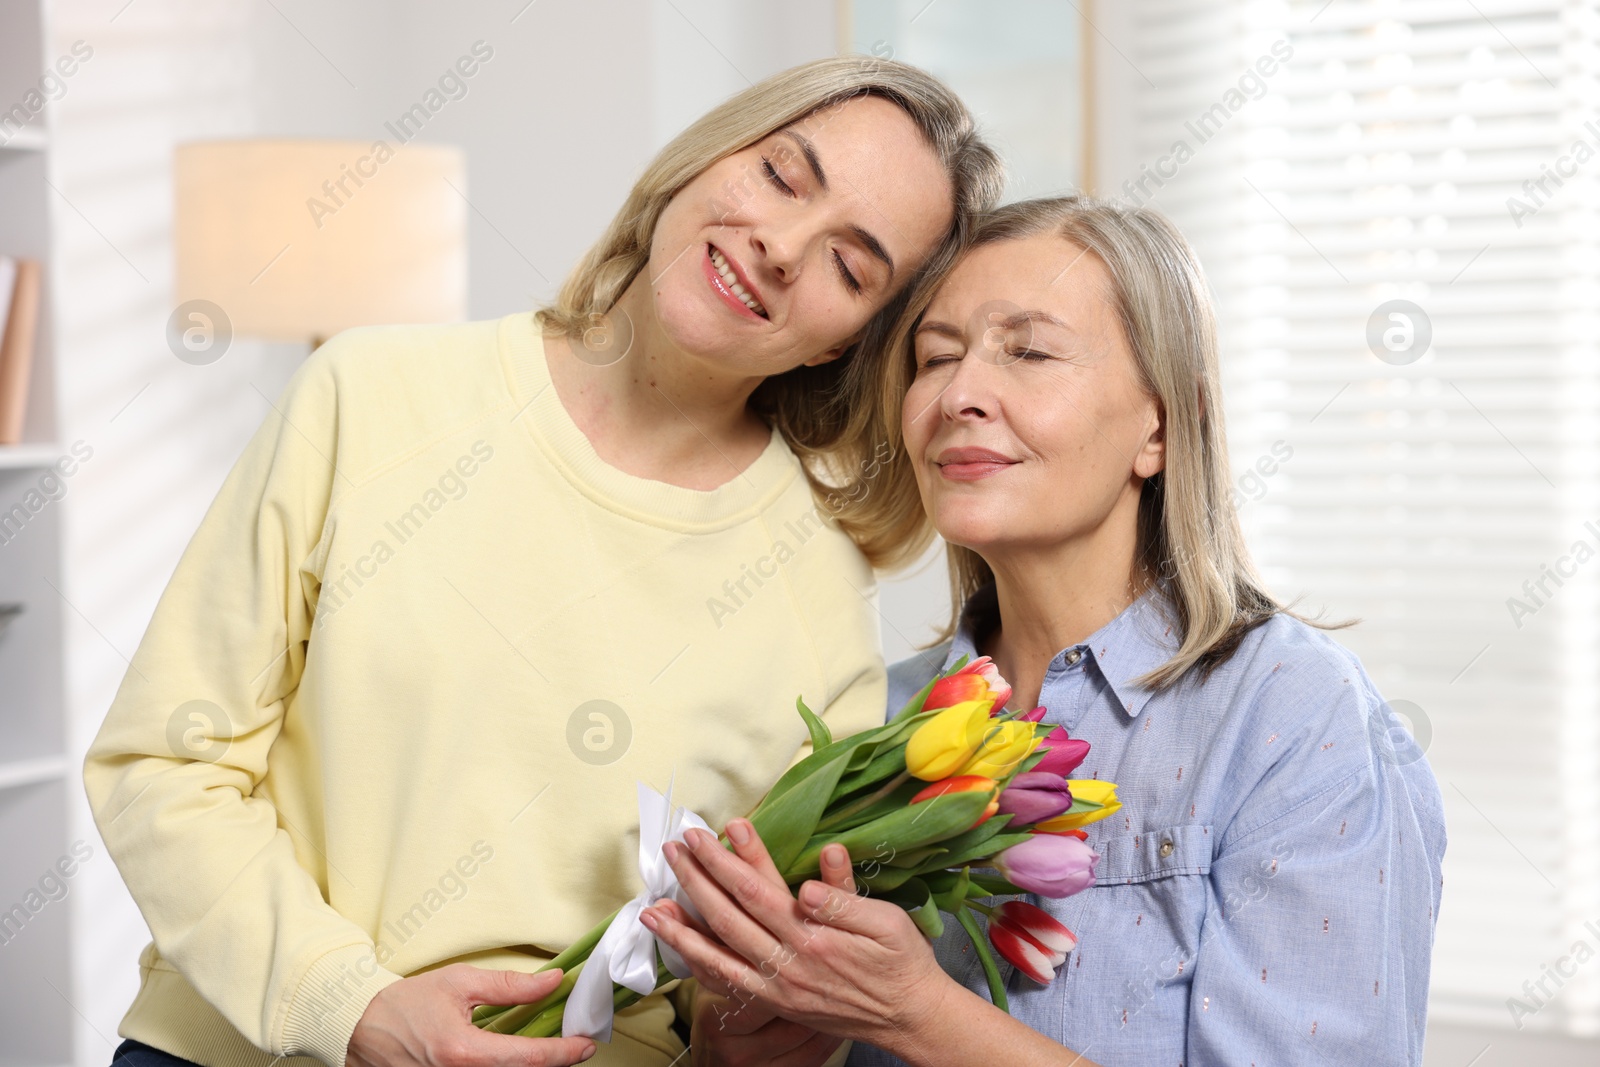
36,1018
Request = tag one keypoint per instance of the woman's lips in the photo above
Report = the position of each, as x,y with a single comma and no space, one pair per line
970,472
971,464
724,288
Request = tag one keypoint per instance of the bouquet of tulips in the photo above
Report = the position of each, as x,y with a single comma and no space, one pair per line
951,783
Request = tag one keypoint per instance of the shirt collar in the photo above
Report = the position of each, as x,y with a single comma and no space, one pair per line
1138,640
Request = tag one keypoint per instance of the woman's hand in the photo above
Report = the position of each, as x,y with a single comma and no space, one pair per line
831,960
731,1031
426,1021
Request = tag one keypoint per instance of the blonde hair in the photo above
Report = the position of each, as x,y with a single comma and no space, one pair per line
821,411
1188,529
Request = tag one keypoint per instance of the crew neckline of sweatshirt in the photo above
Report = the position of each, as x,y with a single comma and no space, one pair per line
539,409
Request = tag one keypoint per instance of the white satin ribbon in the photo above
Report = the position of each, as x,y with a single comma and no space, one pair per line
626,952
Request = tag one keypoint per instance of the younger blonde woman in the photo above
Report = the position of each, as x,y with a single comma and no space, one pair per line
375,758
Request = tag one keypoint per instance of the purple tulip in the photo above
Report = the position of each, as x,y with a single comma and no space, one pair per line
1035,797
1062,754
1052,865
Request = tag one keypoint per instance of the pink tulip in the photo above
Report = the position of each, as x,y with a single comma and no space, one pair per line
1030,938
1051,865
1034,797
1036,715
1062,754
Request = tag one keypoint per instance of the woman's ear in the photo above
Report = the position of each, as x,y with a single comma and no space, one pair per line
834,353
1152,457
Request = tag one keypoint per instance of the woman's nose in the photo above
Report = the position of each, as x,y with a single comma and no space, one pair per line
780,248
971,391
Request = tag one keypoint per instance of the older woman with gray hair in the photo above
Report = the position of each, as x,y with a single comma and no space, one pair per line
1269,889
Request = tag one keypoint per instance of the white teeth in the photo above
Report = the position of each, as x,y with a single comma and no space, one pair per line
720,264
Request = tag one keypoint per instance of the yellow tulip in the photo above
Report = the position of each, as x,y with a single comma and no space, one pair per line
1084,791
944,743
1005,745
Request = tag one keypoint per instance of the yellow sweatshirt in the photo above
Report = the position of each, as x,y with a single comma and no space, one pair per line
392,706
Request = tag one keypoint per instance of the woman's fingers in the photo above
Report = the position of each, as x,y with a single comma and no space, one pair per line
681,914
676,936
836,870
748,846
717,968
847,911
743,910
729,1015
813,1052
766,899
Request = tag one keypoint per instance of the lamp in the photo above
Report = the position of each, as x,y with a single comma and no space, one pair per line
297,240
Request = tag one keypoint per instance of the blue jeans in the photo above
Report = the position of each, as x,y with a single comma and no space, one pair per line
132,1053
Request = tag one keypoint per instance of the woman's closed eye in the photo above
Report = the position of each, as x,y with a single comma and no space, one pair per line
775,178
846,275
1010,355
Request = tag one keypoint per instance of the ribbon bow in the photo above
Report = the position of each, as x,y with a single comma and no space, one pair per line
626,952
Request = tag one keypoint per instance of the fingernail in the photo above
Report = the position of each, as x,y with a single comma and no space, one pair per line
739,832
588,1052
836,855
649,920
814,894
670,850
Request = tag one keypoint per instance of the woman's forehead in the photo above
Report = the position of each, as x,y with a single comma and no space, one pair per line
1043,274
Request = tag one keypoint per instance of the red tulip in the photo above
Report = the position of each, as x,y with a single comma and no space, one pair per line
965,783
978,680
1036,715
1030,938
1081,835
1062,754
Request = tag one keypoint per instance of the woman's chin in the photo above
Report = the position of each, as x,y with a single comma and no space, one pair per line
981,533
711,334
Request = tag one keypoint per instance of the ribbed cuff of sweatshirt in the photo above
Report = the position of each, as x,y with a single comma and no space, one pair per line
329,1002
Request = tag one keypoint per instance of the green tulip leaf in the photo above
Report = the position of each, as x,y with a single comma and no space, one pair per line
821,736
911,827
787,823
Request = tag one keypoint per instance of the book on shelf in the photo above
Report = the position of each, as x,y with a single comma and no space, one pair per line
19,284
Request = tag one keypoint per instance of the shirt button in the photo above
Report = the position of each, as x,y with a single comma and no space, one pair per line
1166,849
1073,657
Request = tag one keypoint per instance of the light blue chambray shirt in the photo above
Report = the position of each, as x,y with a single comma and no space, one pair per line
1267,895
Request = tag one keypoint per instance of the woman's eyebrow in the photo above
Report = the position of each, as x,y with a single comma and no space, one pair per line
1030,316
944,329
1011,322
809,151
867,239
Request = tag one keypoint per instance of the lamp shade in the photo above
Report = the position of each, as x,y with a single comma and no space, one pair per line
295,240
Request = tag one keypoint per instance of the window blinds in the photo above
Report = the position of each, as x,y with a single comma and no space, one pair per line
1436,474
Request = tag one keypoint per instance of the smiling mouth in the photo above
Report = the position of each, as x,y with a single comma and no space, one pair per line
724,270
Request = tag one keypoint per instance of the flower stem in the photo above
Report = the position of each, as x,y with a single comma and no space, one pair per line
548,1022
863,804
991,971
574,953
515,1018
